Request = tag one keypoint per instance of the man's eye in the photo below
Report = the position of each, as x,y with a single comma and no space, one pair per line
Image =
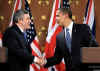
57,15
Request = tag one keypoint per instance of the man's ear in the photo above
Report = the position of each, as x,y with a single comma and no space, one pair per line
20,21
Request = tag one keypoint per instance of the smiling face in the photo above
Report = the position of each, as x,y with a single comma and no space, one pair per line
26,21
63,17
59,17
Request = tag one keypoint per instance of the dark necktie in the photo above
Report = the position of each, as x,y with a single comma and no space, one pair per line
68,40
25,36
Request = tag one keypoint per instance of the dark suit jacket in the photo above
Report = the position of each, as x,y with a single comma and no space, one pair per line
19,53
81,37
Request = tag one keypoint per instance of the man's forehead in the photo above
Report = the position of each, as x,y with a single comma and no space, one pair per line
26,15
58,11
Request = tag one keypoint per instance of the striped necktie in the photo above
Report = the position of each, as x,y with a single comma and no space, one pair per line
68,40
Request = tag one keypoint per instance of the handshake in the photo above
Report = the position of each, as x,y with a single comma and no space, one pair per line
40,61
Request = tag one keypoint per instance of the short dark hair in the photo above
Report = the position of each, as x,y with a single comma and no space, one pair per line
66,10
18,15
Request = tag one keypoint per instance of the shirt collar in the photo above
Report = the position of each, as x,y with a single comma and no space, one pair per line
70,26
21,29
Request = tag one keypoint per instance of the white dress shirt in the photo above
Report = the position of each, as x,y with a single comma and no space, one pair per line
70,29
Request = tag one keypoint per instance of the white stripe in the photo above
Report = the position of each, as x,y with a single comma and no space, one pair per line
20,4
31,68
52,15
35,49
91,19
36,38
63,61
0,42
50,68
51,33
19,7
91,16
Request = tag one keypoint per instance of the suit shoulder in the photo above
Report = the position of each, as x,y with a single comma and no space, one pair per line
81,26
59,34
9,32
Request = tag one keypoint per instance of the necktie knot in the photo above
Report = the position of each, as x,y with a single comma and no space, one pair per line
67,30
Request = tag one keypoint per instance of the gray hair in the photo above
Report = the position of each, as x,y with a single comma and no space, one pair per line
19,15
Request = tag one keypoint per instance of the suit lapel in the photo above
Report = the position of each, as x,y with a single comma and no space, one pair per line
74,35
64,40
20,36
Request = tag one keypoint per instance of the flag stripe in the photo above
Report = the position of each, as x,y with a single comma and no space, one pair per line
35,49
54,18
52,15
89,16
0,40
53,30
89,10
17,6
55,6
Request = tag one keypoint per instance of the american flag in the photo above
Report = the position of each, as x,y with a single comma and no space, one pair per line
65,4
33,41
89,16
31,33
53,30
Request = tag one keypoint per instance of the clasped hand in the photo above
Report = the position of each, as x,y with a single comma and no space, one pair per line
41,61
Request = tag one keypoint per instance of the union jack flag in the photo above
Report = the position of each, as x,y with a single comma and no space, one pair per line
89,16
53,30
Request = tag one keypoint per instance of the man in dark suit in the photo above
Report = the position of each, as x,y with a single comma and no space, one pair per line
19,52
69,41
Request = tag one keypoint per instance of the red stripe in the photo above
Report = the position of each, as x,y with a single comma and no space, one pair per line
54,18
89,10
41,68
36,69
34,54
49,50
61,3
36,44
17,4
0,35
61,67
